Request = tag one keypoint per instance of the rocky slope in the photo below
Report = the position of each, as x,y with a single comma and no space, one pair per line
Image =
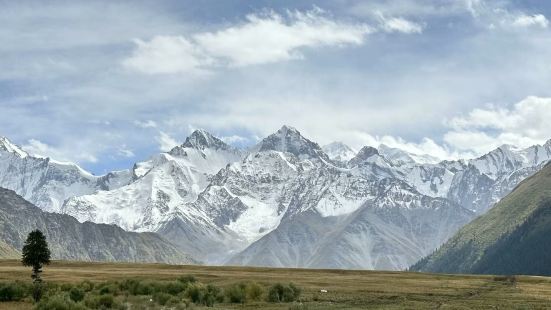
511,238
70,240
8,252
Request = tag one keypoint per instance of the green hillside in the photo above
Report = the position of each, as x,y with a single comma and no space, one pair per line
512,238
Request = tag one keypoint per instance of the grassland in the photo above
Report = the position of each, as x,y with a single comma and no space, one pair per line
345,289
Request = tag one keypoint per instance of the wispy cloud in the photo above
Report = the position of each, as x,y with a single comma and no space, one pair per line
399,24
525,124
262,38
39,148
166,142
524,20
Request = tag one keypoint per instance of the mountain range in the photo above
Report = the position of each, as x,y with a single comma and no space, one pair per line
284,202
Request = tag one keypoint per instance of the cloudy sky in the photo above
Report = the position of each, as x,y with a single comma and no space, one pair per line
106,84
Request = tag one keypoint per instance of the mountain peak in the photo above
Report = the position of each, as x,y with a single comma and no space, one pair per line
201,139
365,153
289,139
339,151
8,146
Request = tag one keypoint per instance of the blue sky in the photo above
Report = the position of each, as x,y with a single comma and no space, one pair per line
106,84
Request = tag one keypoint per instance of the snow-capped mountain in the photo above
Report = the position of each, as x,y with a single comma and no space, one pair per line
339,151
162,184
286,202
48,183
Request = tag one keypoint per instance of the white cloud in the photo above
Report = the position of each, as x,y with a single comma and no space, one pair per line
273,37
399,24
524,20
124,151
167,54
426,146
235,139
38,148
261,39
166,142
525,124
146,124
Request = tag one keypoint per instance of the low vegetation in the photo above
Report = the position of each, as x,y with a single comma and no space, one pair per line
78,285
182,293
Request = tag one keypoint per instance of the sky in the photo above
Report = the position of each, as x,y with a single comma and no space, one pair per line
109,83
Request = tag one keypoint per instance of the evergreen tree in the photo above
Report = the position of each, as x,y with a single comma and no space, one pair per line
36,253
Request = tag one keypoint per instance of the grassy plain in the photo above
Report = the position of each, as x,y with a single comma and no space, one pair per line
345,289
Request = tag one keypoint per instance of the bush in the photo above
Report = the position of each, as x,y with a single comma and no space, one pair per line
204,295
187,279
173,288
87,286
58,302
65,287
100,302
236,293
76,294
196,293
283,293
161,298
214,294
137,287
108,288
12,291
254,291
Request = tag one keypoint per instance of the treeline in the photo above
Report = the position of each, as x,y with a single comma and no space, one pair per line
183,293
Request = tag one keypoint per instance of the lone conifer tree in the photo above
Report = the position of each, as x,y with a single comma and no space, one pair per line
36,253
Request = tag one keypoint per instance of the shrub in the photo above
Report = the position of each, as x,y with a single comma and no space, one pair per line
236,293
100,302
196,293
187,279
204,295
108,288
283,293
12,291
254,291
161,298
58,302
173,288
106,301
87,286
76,294
137,287
65,287
214,294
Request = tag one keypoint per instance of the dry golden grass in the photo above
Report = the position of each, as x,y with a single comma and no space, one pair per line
346,289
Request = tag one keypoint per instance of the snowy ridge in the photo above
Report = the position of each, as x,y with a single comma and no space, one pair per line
48,183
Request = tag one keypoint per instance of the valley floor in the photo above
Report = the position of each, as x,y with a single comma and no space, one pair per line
345,289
